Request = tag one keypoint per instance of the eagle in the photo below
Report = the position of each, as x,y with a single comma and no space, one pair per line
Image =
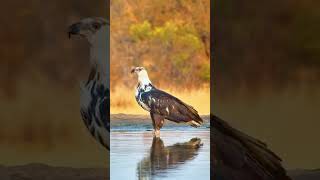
237,156
95,93
162,105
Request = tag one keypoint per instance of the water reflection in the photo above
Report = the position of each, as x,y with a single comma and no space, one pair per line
161,158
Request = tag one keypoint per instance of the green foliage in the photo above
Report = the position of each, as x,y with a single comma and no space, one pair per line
169,33
166,33
141,31
190,40
178,43
169,38
188,36
205,72
180,59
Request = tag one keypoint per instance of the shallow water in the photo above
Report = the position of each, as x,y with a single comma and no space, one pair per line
182,152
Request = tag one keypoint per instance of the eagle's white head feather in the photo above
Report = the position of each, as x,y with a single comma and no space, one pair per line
142,74
89,28
97,31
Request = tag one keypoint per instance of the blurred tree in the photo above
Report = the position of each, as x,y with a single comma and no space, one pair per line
168,38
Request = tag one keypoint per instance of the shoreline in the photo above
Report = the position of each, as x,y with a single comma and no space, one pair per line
141,117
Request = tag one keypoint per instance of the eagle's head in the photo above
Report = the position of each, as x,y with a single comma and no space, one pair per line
142,74
87,27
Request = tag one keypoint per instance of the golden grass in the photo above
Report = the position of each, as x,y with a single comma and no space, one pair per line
123,100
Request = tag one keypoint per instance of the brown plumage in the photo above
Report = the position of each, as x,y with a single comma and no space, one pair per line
237,156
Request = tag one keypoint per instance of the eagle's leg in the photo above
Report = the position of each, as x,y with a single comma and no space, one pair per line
157,121
156,133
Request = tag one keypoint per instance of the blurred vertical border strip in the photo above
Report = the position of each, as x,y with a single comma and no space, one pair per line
212,77
108,78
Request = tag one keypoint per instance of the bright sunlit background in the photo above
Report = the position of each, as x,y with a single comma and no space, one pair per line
171,40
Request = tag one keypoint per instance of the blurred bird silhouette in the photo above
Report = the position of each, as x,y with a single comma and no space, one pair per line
95,94
237,156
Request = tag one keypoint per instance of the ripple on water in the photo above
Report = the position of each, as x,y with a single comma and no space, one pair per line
181,152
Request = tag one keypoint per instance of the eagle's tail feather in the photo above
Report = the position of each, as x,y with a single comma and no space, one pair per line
196,120
194,123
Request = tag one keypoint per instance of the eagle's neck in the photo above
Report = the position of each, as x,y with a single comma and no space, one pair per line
144,80
99,53
144,83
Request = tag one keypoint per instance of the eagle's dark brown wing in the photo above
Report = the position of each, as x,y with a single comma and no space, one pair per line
237,156
171,108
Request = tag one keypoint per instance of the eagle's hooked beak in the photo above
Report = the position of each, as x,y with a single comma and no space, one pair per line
133,70
74,29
